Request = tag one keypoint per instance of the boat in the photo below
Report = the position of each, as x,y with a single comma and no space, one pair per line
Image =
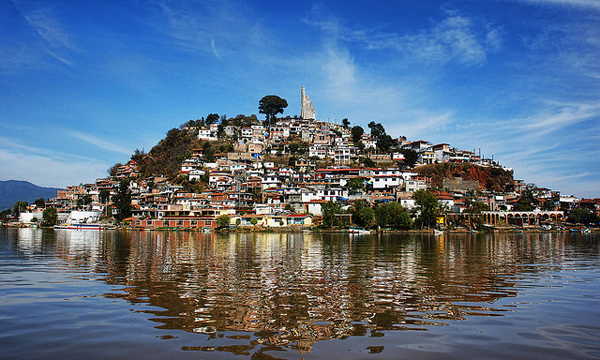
358,230
437,232
78,226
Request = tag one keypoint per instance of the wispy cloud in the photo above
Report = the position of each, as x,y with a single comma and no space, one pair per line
456,38
47,171
44,21
200,26
592,4
99,142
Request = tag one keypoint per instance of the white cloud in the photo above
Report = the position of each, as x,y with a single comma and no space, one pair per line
99,142
455,38
593,4
47,170
44,21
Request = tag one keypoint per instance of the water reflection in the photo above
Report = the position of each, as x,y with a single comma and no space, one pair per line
289,291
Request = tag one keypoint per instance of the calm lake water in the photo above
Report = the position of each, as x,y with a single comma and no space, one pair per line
152,295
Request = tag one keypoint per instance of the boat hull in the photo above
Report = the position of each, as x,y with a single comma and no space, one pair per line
78,227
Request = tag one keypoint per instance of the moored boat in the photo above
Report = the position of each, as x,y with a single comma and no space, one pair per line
358,230
78,226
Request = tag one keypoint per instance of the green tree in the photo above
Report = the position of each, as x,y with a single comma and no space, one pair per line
392,215
122,200
4,214
355,186
584,216
50,216
112,171
410,157
40,203
211,119
20,206
427,208
254,221
522,205
475,206
345,123
271,105
548,205
367,162
221,131
357,133
104,196
223,221
377,129
329,210
363,215
527,202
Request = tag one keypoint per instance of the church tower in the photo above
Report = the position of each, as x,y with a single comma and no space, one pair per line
308,111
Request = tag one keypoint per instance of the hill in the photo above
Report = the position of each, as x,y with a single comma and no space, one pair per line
166,157
12,191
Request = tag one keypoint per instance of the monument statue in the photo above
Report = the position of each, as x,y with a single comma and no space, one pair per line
308,111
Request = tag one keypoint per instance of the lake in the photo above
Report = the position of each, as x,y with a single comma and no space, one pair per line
124,294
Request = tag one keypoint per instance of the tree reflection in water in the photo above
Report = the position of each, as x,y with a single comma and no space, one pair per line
289,291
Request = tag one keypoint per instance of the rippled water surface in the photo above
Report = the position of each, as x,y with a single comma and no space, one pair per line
103,295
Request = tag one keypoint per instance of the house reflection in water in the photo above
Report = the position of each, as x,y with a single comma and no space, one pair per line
292,290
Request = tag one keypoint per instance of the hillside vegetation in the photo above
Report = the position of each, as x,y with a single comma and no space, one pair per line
166,157
493,179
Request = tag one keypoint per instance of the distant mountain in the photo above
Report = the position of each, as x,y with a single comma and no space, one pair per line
12,191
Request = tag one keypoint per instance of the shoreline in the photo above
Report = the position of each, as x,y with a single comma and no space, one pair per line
314,230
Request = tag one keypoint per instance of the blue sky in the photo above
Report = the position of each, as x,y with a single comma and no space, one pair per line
85,83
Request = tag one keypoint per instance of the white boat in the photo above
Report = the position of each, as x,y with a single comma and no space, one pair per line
78,226
437,232
358,230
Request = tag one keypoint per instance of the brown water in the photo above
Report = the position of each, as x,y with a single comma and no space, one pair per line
100,295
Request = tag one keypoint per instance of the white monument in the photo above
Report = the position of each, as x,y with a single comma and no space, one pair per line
308,111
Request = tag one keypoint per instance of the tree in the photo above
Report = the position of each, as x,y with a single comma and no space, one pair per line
410,157
50,216
211,119
329,210
392,215
357,133
221,131
223,221
475,206
355,186
527,202
112,171
20,206
104,196
122,200
367,162
548,205
4,214
40,203
384,143
254,221
271,105
138,155
584,216
427,208
362,215
377,130
345,123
